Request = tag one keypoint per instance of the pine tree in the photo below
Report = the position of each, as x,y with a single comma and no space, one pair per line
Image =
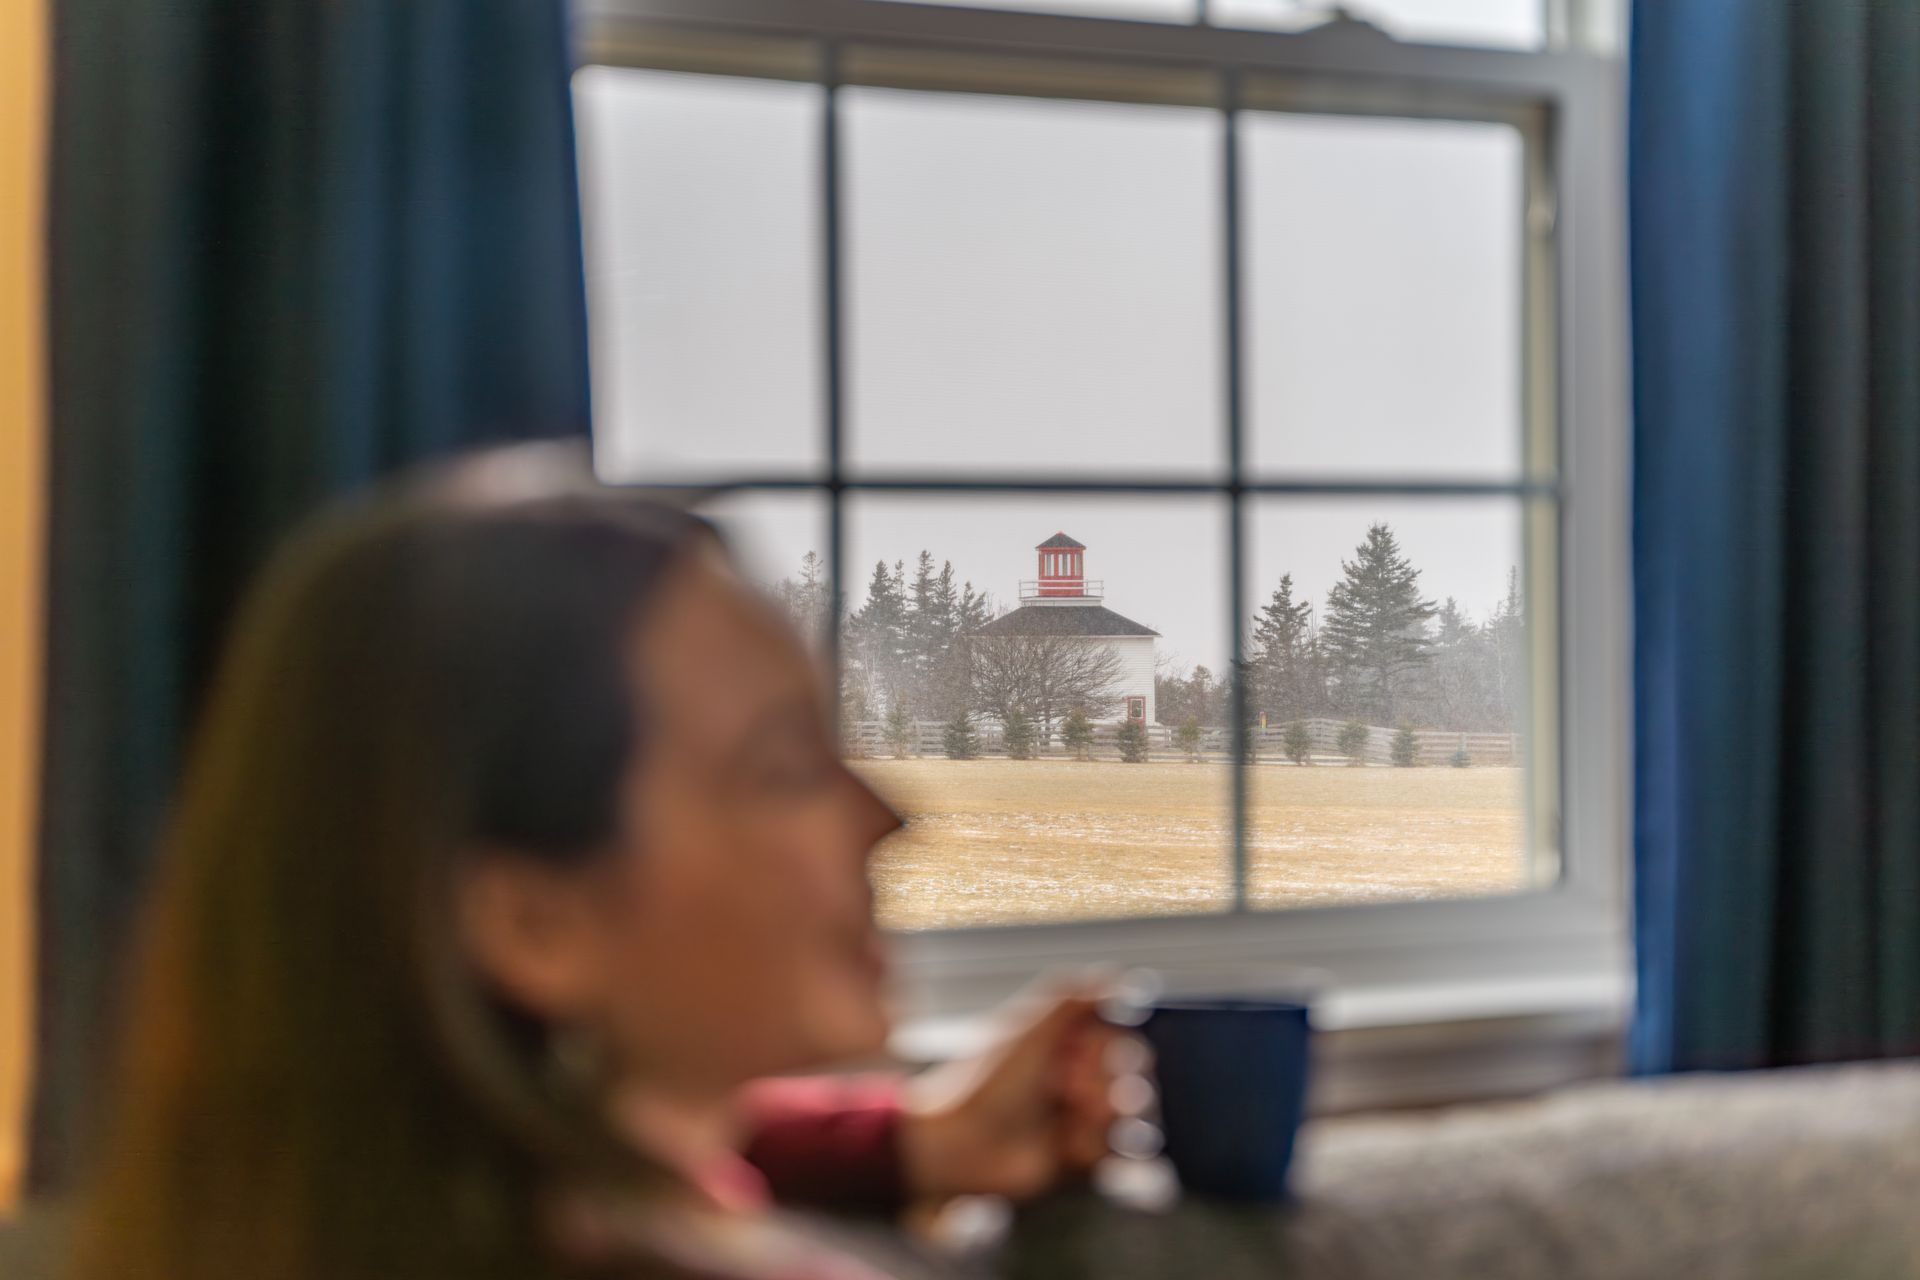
876,637
809,601
1376,627
1406,748
1354,737
976,609
900,731
1131,738
1460,686
1283,662
938,641
1507,640
959,738
1250,726
932,619
1298,742
945,605
1019,735
1187,737
1076,734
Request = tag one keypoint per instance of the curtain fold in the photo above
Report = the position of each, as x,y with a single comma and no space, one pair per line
294,245
1775,213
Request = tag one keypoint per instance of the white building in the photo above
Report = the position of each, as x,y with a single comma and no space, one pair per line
1062,602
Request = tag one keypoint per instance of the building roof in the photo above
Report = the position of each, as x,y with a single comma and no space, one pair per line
1064,620
1059,540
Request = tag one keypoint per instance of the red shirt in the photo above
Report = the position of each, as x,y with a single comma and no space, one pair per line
827,1142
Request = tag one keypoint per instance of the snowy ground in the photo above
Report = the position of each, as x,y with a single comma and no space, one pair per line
1004,841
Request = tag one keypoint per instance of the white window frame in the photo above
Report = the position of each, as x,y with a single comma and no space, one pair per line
1560,949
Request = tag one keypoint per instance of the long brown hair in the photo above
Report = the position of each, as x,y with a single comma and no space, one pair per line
314,1083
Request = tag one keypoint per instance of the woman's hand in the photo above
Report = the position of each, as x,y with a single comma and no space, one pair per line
1026,1116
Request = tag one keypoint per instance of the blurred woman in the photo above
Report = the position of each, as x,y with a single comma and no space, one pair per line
513,851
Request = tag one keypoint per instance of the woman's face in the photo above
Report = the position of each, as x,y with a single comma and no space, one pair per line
731,932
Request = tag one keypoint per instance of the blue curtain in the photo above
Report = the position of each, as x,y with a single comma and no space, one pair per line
1775,209
294,245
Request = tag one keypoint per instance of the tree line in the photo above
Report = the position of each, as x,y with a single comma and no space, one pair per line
1379,653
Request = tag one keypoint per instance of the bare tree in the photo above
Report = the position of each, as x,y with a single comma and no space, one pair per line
1042,676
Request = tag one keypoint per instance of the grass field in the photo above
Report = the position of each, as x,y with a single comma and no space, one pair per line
1005,841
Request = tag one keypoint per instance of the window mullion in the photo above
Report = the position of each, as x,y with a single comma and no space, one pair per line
832,352
1236,494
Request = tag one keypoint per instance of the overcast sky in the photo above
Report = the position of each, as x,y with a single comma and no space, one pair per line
1036,285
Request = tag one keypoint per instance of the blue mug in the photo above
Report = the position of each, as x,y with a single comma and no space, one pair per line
1232,1077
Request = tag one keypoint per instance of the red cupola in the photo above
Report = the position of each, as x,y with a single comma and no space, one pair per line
1063,568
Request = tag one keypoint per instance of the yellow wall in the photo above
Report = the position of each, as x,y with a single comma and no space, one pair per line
23,35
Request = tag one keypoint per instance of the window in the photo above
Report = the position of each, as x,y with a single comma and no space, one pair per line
1306,346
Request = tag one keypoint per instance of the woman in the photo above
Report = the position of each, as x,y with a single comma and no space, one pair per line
513,848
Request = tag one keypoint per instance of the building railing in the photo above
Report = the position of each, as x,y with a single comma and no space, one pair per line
1090,589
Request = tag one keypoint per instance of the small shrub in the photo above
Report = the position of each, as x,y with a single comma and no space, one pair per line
1353,742
1298,742
1132,740
1076,734
1187,737
1019,735
961,742
1406,748
900,734
1460,759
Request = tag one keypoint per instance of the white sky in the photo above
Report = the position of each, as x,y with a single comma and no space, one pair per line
1035,285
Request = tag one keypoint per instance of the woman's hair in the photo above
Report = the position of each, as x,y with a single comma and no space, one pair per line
315,1084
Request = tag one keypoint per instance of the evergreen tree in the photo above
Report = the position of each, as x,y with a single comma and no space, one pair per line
1283,662
1187,737
1353,742
976,609
1250,727
1019,735
1406,748
1376,628
932,618
1131,737
938,640
1507,642
900,730
1076,734
960,740
1298,742
876,637
944,605
804,597
1458,689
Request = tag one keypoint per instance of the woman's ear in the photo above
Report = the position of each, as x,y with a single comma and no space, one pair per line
529,930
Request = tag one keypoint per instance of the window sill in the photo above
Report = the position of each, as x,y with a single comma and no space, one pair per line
1422,1045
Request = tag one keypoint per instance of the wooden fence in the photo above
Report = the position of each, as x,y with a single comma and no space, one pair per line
868,738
